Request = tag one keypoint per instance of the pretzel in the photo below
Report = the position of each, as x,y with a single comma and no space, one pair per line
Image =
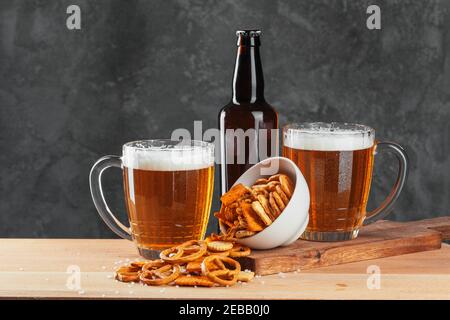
193,281
278,200
274,206
137,265
244,234
282,195
223,276
127,274
219,253
153,264
191,264
194,249
163,275
261,181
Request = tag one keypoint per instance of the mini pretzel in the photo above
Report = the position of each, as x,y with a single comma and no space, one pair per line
282,195
127,274
272,184
171,255
244,234
160,276
261,181
274,206
137,265
286,185
239,251
224,276
194,249
278,200
153,264
275,177
221,253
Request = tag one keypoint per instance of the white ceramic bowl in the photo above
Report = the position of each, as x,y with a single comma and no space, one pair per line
292,222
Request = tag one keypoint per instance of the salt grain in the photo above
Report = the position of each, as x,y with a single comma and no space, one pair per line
116,292
21,269
131,292
81,292
103,268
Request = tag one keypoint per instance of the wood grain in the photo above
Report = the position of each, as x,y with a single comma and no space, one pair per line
37,268
381,239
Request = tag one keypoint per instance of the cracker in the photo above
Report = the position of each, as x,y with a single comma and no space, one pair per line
194,266
234,194
286,185
219,246
266,206
252,219
257,207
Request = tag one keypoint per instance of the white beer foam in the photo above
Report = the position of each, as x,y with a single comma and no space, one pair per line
338,140
190,158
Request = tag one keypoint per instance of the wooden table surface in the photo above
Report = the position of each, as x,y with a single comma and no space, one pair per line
38,268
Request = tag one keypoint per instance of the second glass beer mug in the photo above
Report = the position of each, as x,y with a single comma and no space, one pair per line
168,189
337,161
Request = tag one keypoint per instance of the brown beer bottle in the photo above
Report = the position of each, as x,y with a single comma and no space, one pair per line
245,123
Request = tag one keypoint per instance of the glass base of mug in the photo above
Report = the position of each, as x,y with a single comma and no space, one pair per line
149,253
329,236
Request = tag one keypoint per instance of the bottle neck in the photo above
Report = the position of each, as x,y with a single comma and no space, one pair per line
248,79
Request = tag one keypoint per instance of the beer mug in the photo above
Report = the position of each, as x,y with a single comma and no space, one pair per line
336,160
168,189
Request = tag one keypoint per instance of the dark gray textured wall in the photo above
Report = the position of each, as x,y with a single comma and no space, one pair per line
139,69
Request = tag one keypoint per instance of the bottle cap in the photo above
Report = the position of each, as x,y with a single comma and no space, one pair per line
248,37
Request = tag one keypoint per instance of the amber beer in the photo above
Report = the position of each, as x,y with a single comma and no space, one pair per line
168,194
336,161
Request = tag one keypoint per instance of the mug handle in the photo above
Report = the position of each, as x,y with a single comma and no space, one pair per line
95,182
386,206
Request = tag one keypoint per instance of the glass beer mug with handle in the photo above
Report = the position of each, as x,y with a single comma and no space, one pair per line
168,187
337,162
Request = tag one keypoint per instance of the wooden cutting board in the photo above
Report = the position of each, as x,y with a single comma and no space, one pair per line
381,239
